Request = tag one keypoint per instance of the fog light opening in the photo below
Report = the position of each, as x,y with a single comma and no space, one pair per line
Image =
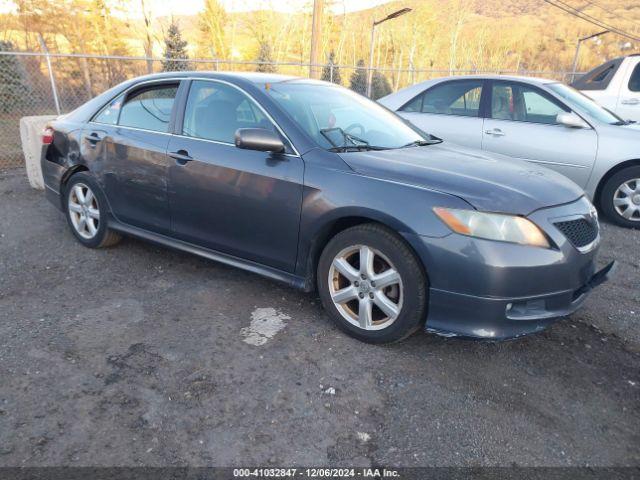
526,308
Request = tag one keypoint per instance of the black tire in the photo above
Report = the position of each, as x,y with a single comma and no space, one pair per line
104,236
412,313
607,196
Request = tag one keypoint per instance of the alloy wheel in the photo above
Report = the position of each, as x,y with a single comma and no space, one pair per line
84,211
365,287
626,200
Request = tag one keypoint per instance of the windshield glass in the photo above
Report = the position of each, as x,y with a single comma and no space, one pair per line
335,117
580,102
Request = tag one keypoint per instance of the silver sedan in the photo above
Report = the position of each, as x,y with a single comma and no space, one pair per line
538,120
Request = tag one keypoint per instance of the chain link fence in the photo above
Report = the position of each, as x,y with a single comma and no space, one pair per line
40,84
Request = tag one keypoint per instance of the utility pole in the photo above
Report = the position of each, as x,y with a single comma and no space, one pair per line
575,58
374,24
316,37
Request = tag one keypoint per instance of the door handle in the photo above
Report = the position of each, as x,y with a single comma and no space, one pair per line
630,101
181,157
93,138
495,132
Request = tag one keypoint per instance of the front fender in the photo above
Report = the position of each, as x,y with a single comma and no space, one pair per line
617,145
332,196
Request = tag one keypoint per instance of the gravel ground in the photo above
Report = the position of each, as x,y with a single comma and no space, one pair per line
139,355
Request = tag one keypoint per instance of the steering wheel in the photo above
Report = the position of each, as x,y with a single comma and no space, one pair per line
353,126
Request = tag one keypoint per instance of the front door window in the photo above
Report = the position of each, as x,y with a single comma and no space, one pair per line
522,103
215,111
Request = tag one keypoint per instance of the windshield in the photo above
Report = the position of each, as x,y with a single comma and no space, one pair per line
580,102
336,117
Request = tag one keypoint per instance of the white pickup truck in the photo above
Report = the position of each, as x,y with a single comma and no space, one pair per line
615,85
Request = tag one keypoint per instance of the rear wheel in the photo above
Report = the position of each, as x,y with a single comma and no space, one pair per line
86,214
372,284
620,197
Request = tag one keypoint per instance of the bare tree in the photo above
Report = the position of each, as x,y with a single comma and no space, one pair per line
147,43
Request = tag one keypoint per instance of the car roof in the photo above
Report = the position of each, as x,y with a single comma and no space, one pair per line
254,77
399,98
519,78
85,111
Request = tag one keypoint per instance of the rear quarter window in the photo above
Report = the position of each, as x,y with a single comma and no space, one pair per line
110,112
598,78
634,81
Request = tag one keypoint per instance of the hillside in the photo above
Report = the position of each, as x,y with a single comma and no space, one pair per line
437,34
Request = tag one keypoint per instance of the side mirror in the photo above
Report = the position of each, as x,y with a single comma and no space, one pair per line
571,120
259,139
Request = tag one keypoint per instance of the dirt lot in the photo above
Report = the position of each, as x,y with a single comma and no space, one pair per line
138,355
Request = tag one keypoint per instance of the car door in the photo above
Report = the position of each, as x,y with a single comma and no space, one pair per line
629,99
127,145
449,110
240,202
522,123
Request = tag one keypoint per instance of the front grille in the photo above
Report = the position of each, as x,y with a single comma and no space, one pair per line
579,232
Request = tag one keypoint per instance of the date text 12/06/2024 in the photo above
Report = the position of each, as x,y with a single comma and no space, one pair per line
315,473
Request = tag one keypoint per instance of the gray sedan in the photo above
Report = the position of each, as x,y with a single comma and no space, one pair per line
538,120
314,185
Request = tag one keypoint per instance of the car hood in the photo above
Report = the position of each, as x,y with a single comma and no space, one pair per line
489,182
631,127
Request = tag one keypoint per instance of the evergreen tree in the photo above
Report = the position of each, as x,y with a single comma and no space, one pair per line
14,87
358,81
327,74
174,48
380,86
265,56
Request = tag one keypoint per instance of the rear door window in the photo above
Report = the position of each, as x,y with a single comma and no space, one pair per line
149,108
452,98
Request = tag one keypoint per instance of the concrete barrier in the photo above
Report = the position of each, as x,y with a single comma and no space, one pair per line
31,137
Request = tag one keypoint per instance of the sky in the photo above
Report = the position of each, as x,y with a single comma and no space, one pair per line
163,8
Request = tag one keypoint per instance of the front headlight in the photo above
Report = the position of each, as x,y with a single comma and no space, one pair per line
492,226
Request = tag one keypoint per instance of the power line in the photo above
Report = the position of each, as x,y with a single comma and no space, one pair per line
591,3
591,16
591,19
596,21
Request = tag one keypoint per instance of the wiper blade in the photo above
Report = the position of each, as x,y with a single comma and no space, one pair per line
356,142
421,143
356,148
353,139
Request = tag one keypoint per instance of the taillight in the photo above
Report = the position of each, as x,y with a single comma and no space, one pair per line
47,136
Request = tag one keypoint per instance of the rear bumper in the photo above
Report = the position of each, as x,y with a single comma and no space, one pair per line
52,174
459,315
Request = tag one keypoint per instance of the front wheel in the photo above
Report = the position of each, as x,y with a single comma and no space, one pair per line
620,197
372,284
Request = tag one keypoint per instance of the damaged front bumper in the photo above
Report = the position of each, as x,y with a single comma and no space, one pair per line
497,290
456,315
